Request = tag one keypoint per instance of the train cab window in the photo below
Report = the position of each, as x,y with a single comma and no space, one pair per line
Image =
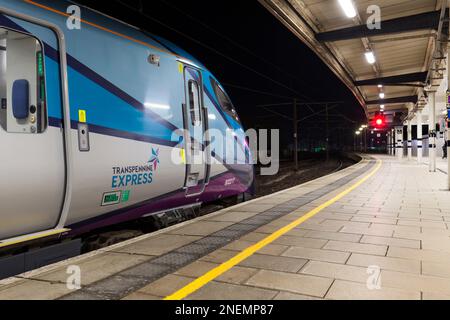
194,103
22,83
224,101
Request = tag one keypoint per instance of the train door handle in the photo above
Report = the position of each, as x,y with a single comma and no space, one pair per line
83,137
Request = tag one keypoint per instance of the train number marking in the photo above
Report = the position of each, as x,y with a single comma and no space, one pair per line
111,198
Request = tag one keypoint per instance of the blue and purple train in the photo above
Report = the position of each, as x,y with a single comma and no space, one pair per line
100,123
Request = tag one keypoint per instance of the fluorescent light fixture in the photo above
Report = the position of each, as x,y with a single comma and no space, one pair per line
370,57
348,7
382,106
358,133
382,95
380,86
156,106
212,116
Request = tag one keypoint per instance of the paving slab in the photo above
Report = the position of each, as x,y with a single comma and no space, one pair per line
34,290
224,291
415,282
304,242
380,250
165,286
95,268
385,263
436,269
266,262
201,228
286,296
295,283
271,249
317,254
345,290
338,236
392,242
155,246
335,271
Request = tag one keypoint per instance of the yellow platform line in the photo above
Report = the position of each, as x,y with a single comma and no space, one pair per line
226,266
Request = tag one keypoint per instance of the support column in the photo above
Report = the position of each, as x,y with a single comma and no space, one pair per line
399,138
388,143
447,136
419,136
328,132
432,132
365,139
393,146
409,144
295,135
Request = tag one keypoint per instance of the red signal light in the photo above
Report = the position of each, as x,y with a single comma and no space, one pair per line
379,121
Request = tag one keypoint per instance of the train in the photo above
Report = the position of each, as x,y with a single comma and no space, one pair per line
100,122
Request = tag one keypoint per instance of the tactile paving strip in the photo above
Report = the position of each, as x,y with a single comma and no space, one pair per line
124,283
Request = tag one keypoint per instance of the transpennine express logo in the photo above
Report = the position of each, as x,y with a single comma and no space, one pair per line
136,175
154,160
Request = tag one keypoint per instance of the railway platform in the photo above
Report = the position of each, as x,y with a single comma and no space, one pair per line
376,230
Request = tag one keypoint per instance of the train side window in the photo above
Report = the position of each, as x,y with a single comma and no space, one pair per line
22,83
194,103
224,101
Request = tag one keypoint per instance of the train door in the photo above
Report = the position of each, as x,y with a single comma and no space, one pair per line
195,126
32,165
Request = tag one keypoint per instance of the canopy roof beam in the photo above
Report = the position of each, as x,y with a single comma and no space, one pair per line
403,78
407,99
422,21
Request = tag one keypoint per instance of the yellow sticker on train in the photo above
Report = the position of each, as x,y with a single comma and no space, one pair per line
82,116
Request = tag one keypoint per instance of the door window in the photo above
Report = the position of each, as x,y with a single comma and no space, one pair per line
22,83
194,103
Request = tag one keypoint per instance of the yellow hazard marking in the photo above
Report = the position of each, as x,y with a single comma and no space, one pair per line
180,67
226,266
82,116
33,237
183,155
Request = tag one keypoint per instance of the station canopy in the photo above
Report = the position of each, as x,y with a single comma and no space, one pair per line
391,66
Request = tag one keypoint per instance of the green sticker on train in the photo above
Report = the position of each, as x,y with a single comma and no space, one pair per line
111,198
126,196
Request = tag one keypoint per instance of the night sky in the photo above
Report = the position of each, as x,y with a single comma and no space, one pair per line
257,59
